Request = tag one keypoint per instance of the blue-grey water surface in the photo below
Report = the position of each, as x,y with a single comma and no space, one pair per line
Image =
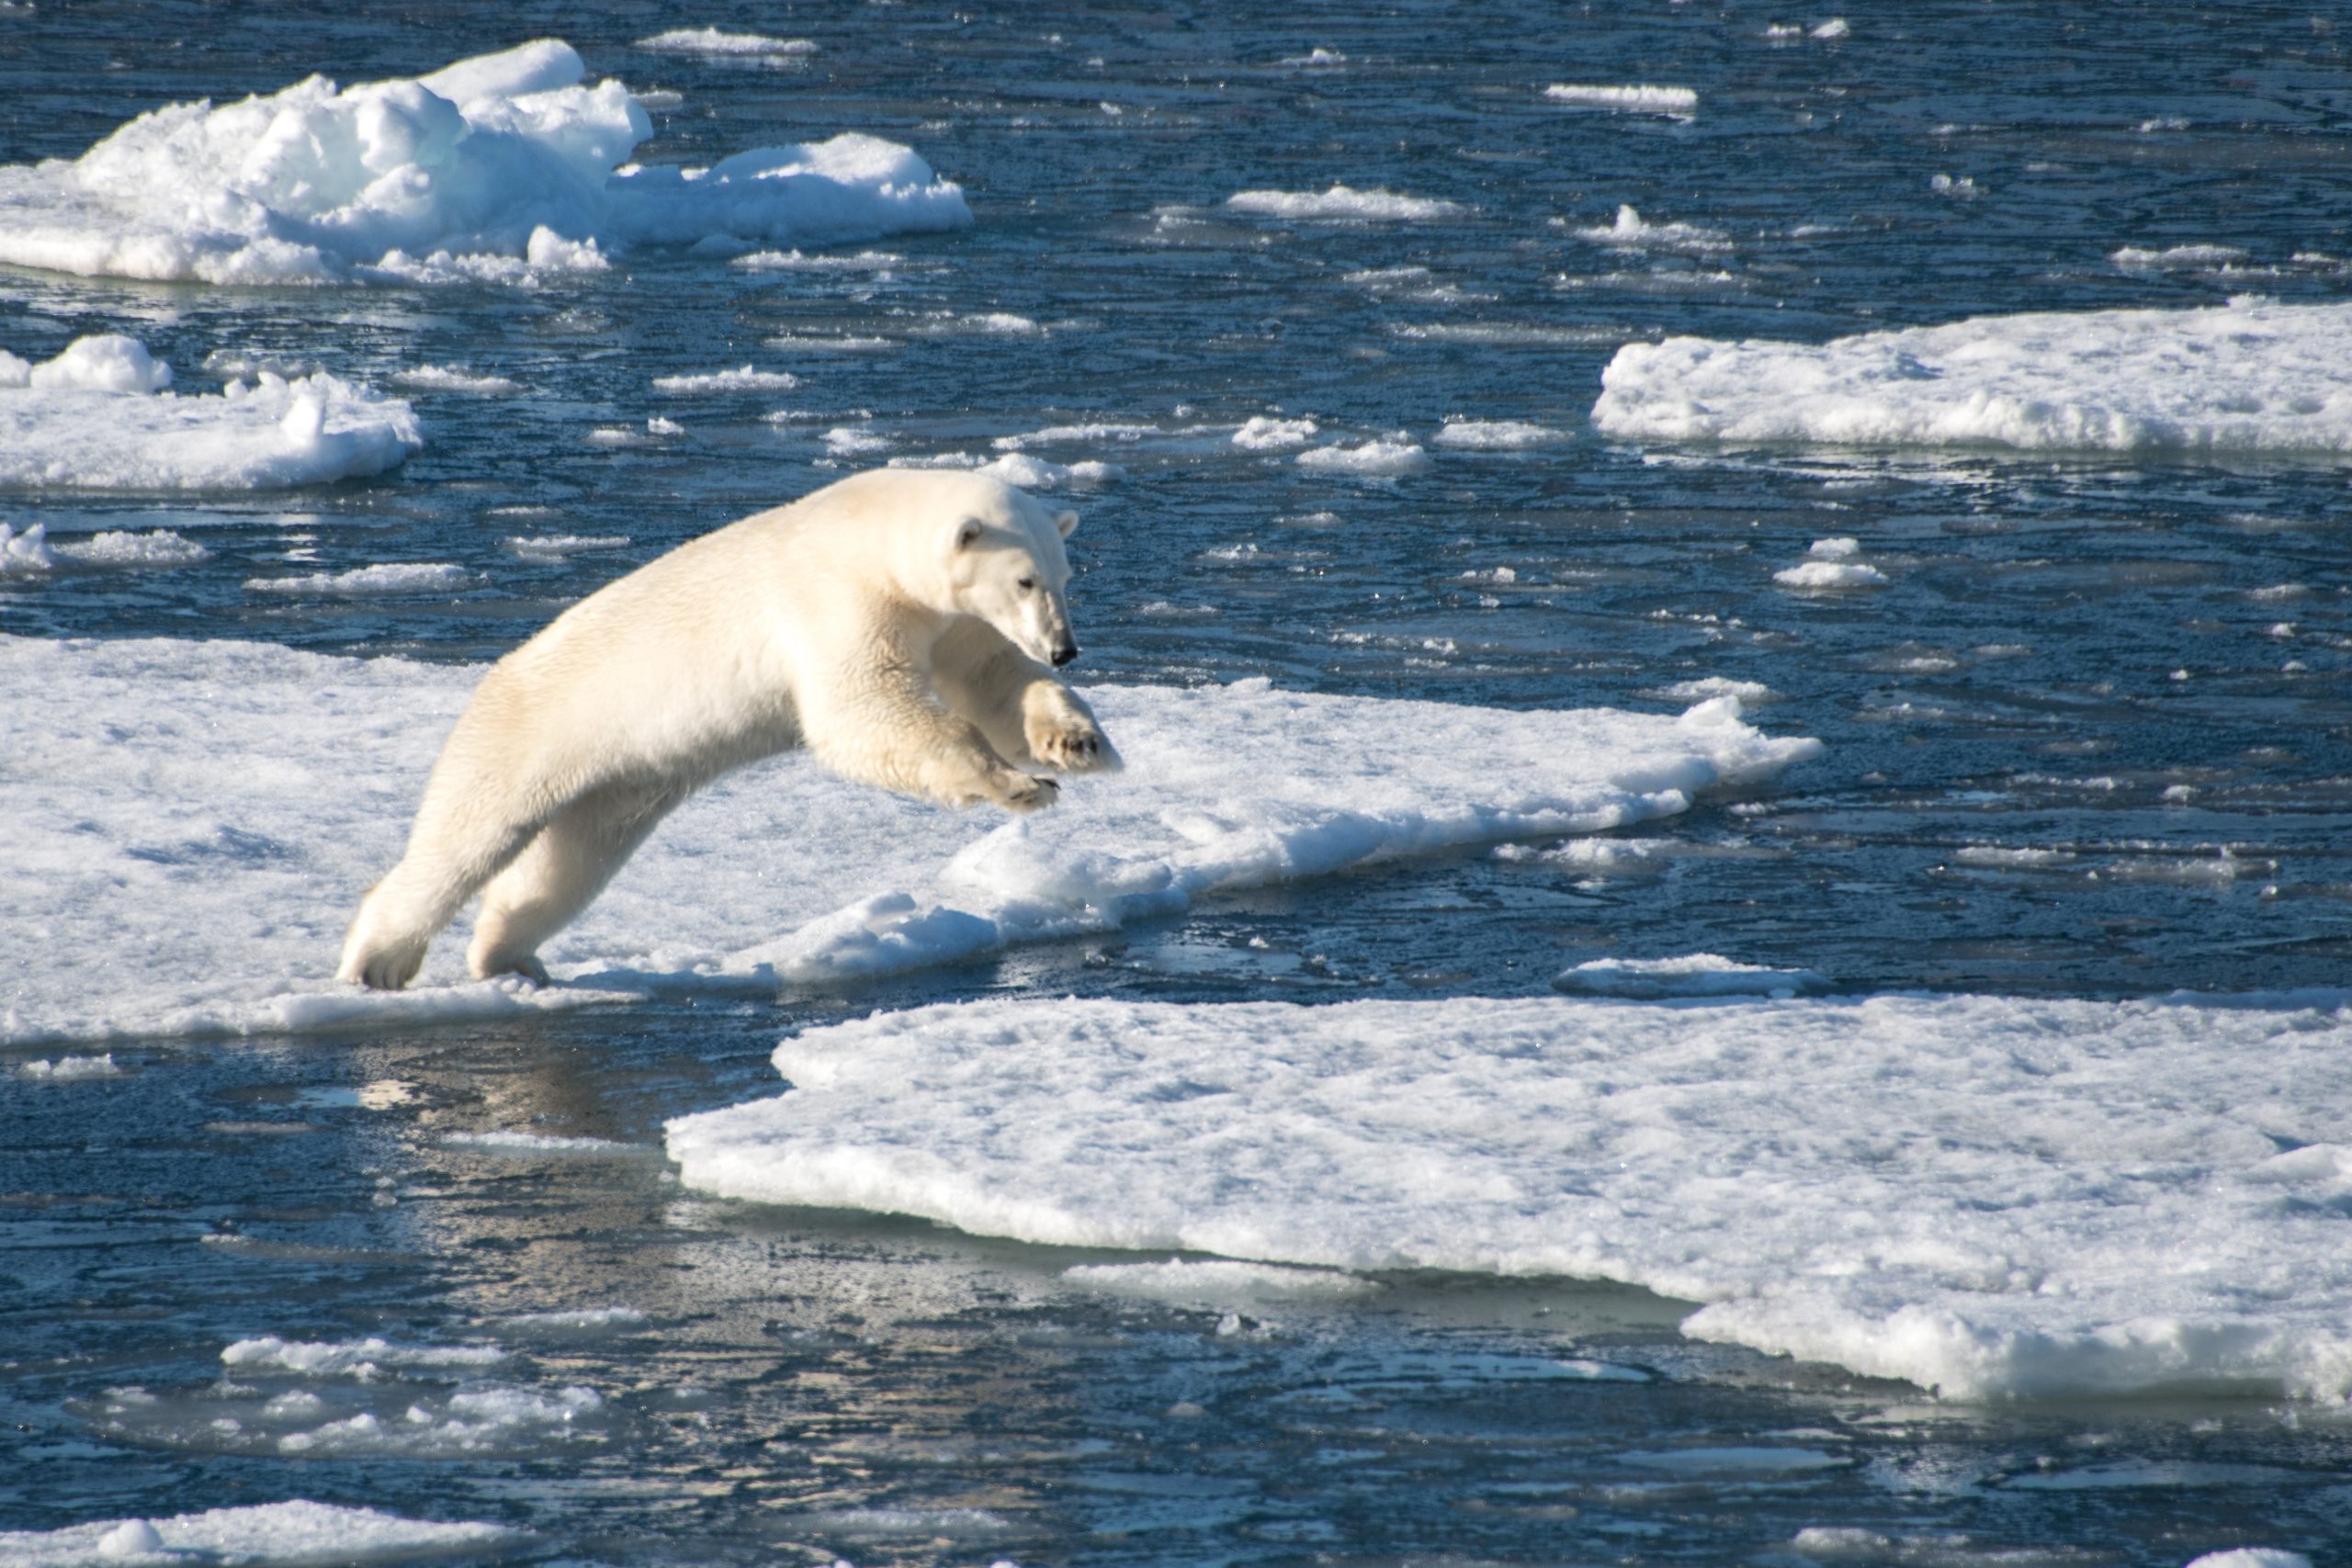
2139,664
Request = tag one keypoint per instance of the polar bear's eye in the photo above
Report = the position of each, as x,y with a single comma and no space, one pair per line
1027,583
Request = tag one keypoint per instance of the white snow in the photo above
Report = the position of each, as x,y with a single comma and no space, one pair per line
745,380
1343,202
370,581
98,417
195,820
2252,376
506,167
1381,458
710,40
2252,1557
1693,975
1678,102
1984,1195
270,1535
1631,230
1496,435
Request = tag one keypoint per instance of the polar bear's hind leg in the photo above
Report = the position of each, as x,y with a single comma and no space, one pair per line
560,873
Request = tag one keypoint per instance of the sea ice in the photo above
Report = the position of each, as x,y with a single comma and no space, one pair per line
504,167
270,1535
1381,458
194,820
1495,434
2253,376
710,40
370,581
1695,975
1343,202
1680,102
1984,1195
98,417
1630,231
745,380
1265,432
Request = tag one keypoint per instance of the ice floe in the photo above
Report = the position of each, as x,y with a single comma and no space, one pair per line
1831,563
2250,376
1343,202
1984,1195
1266,433
99,416
1695,975
743,379
195,820
1631,230
270,1535
711,40
371,582
502,168
449,379
1495,434
1681,103
1381,458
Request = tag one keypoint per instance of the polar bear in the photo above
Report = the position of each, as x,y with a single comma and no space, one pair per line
899,624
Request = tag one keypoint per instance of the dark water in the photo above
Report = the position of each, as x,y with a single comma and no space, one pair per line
2081,656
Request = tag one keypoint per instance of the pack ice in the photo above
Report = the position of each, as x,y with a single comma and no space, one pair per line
2253,376
99,416
1984,1195
190,825
502,167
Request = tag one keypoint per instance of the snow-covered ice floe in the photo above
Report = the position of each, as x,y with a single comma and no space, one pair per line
2252,377
502,168
192,823
295,1535
1984,1195
100,416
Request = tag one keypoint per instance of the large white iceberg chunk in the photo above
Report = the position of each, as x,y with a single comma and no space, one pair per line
2253,376
96,418
508,157
1981,1195
192,823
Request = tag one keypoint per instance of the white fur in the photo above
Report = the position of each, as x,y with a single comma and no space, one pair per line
882,621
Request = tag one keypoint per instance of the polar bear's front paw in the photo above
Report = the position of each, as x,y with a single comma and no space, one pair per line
1022,791
1069,744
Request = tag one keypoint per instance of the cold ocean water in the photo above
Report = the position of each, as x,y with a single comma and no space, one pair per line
1208,1215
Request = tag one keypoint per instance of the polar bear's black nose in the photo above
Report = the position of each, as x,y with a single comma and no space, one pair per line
1065,653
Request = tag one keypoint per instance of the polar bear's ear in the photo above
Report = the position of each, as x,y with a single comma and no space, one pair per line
1066,522
967,533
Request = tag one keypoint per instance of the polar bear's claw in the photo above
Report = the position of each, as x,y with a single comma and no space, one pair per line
1026,792
1071,748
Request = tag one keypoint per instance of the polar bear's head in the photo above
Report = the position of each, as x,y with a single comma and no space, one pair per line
1006,566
